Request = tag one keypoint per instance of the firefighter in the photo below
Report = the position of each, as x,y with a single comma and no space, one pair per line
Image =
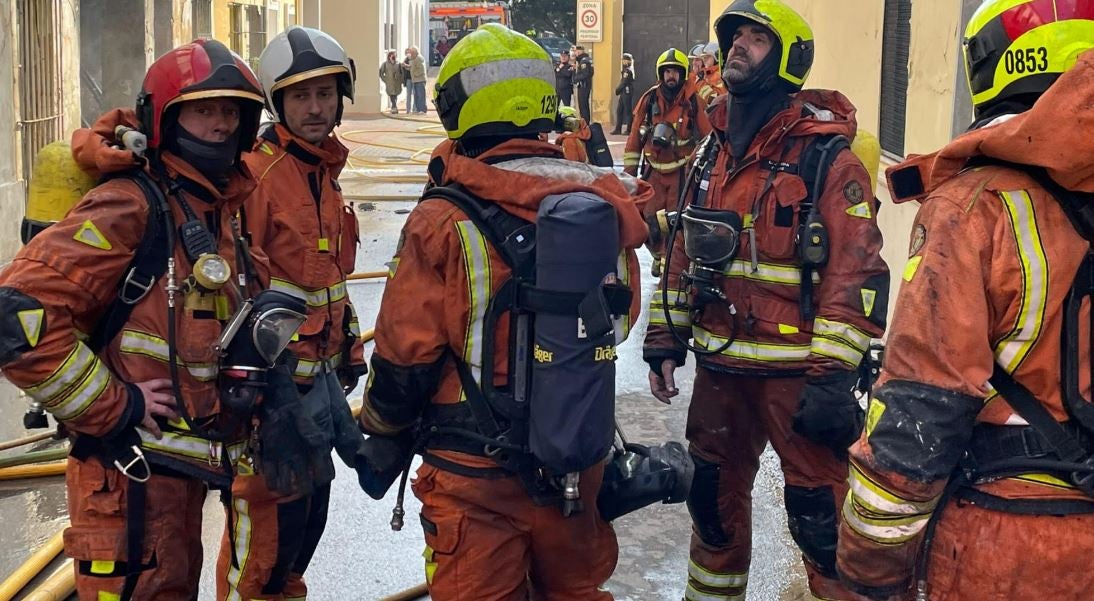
972,477
695,64
710,81
573,134
668,122
782,292
440,352
298,217
111,319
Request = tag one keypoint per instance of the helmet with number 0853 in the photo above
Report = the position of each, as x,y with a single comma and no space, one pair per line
1018,48
496,82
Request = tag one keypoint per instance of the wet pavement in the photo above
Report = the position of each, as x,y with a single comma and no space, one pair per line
360,558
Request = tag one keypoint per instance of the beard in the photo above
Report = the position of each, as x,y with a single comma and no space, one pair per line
738,69
671,85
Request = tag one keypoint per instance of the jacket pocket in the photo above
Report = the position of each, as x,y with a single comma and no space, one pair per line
777,228
350,239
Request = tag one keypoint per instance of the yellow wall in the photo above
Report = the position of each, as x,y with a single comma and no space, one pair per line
932,75
607,61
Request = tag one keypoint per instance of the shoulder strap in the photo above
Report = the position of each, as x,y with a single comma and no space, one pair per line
148,264
513,237
815,162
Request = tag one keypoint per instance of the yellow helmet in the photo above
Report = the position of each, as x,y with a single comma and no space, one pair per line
1020,47
672,58
794,35
496,81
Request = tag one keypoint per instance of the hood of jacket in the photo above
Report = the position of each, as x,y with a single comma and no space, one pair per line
811,113
519,174
330,152
96,151
1055,134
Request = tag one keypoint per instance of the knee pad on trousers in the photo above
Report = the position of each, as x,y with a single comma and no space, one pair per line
703,503
811,518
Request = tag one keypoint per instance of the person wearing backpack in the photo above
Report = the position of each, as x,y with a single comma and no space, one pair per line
111,319
776,286
669,121
510,287
972,479
298,217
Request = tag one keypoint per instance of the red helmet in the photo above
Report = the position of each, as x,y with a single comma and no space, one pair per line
200,69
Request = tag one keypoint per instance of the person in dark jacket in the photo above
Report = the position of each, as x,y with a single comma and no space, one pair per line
564,79
583,80
625,90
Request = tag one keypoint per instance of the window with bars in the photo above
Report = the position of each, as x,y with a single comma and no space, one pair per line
39,77
201,18
895,48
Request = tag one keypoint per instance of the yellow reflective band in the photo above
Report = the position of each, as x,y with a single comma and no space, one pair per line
154,347
861,210
99,566
694,594
868,298
768,272
324,245
91,236
306,368
1015,346
78,399
836,349
911,267
748,220
31,320
181,444
622,323
670,166
843,332
874,412
108,596
882,530
680,319
879,501
266,149
430,565
788,329
318,297
1043,479
392,267
224,313
72,369
241,539
750,350
476,260
714,579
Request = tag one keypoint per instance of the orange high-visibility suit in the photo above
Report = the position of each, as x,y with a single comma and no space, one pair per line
71,272
992,259
711,85
297,215
664,167
573,143
485,537
745,395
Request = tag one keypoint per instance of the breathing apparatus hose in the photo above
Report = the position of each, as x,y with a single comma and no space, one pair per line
673,233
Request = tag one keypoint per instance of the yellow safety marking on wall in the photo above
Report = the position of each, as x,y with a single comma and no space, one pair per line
31,320
99,566
873,414
861,210
911,267
868,298
91,236
788,329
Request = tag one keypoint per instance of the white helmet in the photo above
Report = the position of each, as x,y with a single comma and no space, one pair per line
300,53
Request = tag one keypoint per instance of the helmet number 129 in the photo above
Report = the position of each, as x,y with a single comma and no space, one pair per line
549,104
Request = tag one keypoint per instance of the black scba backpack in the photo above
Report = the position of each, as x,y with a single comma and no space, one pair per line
556,412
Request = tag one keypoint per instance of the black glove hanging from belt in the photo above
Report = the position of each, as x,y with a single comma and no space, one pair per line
828,412
294,437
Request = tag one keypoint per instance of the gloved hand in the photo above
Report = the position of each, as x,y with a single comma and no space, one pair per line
291,455
828,413
350,376
381,459
347,436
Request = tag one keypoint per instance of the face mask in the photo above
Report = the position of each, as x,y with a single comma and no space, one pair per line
214,160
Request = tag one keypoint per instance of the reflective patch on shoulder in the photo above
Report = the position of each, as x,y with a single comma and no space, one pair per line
868,298
861,210
266,148
392,267
911,267
91,236
32,320
873,414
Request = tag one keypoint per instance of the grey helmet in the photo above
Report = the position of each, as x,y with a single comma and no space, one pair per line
301,53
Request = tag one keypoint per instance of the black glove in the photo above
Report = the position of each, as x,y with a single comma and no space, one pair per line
828,413
347,436
380,460
350,375
291,454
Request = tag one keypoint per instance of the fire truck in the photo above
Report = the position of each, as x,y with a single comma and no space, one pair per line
453,20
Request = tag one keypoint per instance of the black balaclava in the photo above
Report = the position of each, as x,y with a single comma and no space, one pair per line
1011,106
214,160
754,102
